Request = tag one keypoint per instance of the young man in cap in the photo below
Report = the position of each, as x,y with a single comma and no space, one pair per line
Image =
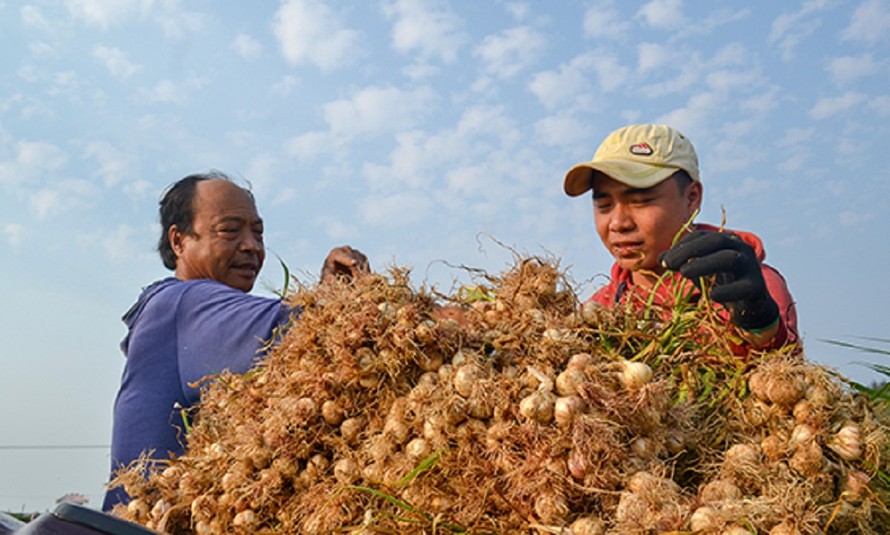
646,193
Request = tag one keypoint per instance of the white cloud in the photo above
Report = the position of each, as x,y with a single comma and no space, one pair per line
335,229
795,162
468,180
114,165
750,186
175,21
560,130
881,105
506,54
45,201
32,160
796,137
165,91
694,116
403,209
689,73
419,155
570,85
651,56
285,85
420,71
178,23
410,161
65,83
602,20
119,244
63,195
762,102
663,14
870,22
138,188
611,71
32,17
728,154
378,109
727,80
518,10
264,171
246,46
106,13
28,73
13,234
789,29
557,87
714,20
826,107
115,61
43,50
846,69
309,32
310,145
429,27
852,218
170,92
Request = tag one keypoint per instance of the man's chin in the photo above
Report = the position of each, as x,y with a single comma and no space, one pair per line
639,264
631,264
245,284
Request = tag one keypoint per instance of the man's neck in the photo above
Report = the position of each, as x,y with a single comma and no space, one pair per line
645,278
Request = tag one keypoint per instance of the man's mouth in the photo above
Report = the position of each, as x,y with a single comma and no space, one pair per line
247,269
627,249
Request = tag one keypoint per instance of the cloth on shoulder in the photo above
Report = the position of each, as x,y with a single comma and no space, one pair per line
178,333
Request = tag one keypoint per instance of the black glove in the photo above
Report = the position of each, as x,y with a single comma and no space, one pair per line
737,277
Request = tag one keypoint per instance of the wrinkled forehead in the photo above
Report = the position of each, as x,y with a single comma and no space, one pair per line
224,199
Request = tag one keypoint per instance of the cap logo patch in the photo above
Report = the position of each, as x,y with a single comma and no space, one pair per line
641,149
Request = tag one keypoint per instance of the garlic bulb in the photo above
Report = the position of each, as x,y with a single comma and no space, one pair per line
580,361
847,442
635,375
538,407
332,412
587,525
801,434
466,378
566,408
705,519
568,382
245,519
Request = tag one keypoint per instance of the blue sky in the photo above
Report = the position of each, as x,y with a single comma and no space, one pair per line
423,133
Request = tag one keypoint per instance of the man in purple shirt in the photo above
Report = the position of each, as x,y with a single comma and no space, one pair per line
202,320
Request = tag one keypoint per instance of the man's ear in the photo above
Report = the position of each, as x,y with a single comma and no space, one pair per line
175,238
693,196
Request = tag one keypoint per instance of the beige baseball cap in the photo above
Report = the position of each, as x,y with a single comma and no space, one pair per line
639,155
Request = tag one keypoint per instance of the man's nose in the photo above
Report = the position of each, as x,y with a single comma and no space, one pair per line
250,242
621,218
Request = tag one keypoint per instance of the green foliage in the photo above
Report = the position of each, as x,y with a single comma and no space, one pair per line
877,391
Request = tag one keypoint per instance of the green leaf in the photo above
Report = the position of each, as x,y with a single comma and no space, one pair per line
424,465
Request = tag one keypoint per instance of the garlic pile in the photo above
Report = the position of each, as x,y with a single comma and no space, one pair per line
512,408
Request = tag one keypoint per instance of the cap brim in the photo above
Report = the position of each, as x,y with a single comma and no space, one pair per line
579,178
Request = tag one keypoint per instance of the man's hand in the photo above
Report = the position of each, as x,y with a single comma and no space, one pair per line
344,262
737,277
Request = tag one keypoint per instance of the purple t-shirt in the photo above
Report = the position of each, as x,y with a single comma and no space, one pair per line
180,332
